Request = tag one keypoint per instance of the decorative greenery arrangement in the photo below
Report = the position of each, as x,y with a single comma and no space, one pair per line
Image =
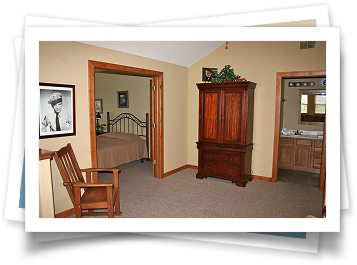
100,127
225,75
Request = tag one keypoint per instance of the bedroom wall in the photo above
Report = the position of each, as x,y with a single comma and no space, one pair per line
258,62
106,87
67,63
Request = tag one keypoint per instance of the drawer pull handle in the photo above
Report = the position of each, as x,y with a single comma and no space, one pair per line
233,160
234,171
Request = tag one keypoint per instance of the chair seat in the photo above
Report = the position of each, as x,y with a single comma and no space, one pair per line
92,195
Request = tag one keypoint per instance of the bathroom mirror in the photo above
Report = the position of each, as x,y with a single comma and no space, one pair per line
312,106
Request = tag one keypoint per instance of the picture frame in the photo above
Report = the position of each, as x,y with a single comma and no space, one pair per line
98,104
123,99
56,99
208,73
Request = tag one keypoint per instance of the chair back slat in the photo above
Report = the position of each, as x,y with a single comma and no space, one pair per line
68,167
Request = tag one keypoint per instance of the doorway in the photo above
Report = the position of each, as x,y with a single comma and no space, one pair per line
281,76
156,110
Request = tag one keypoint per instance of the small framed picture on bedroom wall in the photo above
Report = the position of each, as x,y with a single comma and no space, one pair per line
57,110
123,99
98,106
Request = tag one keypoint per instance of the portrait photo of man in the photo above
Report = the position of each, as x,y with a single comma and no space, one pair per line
56,111
208,73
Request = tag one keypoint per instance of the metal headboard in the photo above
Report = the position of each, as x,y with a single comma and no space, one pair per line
128,123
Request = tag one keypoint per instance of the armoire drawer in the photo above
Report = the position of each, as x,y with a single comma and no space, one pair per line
217,169
209,147
222,158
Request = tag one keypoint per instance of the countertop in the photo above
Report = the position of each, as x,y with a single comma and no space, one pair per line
315,137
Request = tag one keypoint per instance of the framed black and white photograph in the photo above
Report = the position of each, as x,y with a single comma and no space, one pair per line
98,106
123,99
208,73
57,110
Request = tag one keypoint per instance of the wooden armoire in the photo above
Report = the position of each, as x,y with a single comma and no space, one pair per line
225,140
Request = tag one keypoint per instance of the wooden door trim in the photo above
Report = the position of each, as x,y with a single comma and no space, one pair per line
280,76
157,135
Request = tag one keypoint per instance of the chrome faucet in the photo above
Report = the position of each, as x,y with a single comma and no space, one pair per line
297,132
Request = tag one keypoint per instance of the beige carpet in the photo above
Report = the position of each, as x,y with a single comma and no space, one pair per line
181,195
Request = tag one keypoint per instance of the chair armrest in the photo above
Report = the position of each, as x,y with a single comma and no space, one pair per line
91,185
89,171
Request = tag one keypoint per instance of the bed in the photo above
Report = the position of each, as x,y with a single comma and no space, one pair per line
124,141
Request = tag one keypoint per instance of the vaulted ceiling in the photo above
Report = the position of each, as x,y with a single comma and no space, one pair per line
184,53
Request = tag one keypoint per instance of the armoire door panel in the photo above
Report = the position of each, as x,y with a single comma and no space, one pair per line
233,119
210,117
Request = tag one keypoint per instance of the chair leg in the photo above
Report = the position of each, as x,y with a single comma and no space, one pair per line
110,202
78,211
77,202
117,203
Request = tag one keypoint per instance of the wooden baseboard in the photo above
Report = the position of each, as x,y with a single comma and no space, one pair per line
262,178
179,169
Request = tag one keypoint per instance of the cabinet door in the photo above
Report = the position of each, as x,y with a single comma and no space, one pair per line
233,120
210,114
303,156
286,155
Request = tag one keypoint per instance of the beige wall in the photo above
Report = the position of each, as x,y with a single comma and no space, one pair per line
258,62
106,87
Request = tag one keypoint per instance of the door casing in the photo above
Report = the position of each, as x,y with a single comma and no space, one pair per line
156,110
280,76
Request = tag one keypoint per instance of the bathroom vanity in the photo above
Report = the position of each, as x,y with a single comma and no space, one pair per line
300,153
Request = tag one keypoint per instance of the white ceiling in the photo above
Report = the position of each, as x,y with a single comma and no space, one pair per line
184,53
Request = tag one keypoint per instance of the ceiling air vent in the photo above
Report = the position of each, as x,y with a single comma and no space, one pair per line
307,45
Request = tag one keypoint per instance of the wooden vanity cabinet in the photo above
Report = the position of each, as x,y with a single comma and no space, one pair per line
300,154
226,131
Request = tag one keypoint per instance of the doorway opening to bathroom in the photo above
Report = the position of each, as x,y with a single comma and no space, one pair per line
298,157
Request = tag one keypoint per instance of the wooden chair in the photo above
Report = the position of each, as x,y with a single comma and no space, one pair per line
103,195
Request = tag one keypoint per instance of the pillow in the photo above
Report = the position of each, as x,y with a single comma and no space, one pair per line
121,135
115,135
